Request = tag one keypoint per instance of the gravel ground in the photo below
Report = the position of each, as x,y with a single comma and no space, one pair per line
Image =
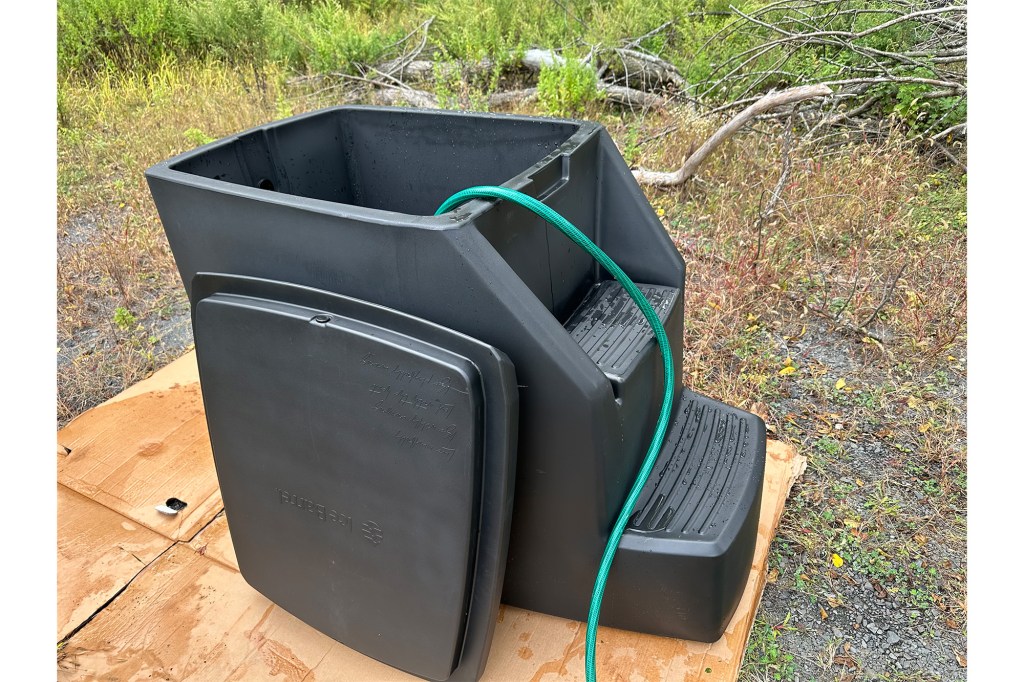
894,607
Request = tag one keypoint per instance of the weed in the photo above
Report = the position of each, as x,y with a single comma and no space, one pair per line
842,488
931,487
124,320
829,446
567,89
197,137
456,89
881,504
765,650
630,147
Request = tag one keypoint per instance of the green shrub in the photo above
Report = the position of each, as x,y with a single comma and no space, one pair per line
706,40
319,35
92,34
567,89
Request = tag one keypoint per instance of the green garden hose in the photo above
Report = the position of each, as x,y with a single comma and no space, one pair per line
570,230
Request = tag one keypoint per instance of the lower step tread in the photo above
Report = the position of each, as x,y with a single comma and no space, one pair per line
697,485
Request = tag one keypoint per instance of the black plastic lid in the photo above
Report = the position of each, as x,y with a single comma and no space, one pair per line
366,460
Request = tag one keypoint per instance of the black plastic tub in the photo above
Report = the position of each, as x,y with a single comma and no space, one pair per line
341,201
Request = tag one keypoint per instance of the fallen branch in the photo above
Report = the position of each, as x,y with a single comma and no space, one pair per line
631,97
929,56
764,104
639,67
408,96
536,59
502,99
420,70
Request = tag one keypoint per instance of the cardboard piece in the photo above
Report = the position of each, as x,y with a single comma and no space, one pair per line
214,542
189,614
144,446
98,553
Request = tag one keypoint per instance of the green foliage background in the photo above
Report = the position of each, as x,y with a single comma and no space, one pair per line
317,36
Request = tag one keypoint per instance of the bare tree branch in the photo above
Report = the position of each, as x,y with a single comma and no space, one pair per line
764,104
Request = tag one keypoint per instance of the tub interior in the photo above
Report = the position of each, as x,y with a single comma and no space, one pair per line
403,161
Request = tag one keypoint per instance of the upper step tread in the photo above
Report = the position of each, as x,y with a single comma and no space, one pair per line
710,453
609,326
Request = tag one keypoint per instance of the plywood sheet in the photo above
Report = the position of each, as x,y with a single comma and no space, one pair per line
146,445
98,553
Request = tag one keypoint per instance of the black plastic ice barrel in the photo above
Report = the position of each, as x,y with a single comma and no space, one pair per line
413,417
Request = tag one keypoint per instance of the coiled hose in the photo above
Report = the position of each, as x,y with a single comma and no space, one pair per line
573,233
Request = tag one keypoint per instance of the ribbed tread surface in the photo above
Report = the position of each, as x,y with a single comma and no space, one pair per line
609,326
709,454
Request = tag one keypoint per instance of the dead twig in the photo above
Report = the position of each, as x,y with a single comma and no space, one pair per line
886,293
929,57
768,210
650,34
668,130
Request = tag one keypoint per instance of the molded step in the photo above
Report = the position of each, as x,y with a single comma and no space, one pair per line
697,484
609,326
693,531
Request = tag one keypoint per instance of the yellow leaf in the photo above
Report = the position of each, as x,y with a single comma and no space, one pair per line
860,483
924,428
841,384
824,613
788,361
837,561
787,370
913,402
868,339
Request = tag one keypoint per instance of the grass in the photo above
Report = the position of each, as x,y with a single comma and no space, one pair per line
114,264
319,36
97,35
